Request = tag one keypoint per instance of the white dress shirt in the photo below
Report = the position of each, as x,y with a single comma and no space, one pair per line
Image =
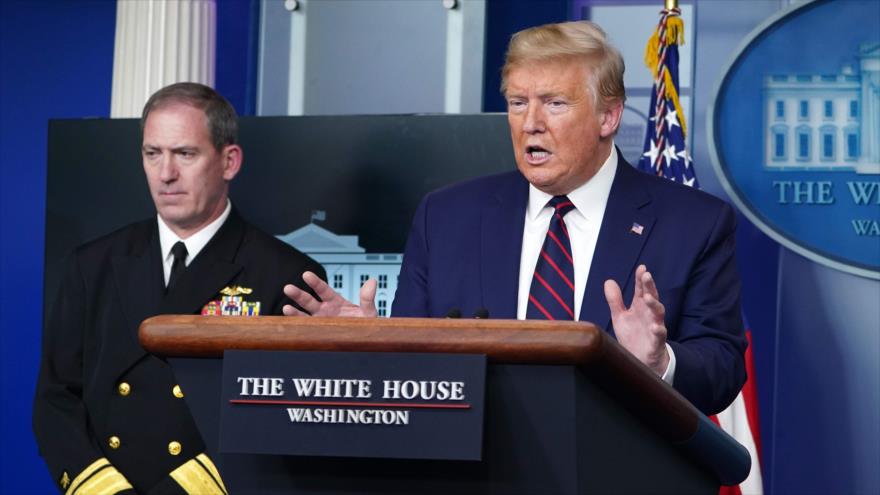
583,224
194,243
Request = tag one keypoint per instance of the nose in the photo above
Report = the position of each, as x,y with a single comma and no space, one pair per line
168,169
534,121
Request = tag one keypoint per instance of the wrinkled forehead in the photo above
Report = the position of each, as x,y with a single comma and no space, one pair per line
543,75
178,106
175,124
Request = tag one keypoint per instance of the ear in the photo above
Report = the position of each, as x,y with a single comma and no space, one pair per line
232,156
610,119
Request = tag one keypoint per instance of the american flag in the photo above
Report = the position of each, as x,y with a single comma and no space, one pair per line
665,155
665,151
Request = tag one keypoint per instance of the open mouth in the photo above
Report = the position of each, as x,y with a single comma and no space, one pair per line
537,154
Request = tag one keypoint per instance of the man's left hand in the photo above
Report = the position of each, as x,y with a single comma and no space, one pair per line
640,328
331,303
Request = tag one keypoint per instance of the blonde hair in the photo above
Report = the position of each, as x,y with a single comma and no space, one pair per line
571,40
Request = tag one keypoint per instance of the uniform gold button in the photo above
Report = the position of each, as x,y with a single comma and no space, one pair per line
124,389
177,392
174,448
114,442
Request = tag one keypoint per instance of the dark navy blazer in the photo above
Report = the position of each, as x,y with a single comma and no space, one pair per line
90,345
463,253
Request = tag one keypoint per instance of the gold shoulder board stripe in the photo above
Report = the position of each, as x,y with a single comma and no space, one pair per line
99,478
199,476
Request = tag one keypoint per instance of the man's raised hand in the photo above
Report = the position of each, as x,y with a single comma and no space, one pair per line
330,302
640,328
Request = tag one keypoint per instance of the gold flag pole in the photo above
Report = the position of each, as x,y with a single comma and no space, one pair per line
671,4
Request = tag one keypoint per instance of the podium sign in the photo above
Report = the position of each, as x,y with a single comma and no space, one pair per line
341,404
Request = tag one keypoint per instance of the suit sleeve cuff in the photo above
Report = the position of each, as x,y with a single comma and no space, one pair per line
669,374
199,476
99,477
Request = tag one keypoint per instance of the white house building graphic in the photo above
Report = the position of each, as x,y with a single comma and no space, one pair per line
348,265
825,122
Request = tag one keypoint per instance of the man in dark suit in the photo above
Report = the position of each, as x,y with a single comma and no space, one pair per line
574,224
108,416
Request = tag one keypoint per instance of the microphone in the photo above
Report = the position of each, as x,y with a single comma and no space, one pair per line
454,313
481,314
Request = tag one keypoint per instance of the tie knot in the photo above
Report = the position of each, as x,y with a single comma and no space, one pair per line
178,250
561,204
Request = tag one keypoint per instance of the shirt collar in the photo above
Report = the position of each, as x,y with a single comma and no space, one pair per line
194,243
589,198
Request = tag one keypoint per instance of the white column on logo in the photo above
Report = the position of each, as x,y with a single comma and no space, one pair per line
159,42
869,65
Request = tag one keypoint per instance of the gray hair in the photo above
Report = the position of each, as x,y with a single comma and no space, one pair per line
221,117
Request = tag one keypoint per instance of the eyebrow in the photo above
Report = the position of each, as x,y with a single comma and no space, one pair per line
176,149
542,96
552,94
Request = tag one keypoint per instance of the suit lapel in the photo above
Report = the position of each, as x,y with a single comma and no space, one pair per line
209,272
501,246
618,247
139,285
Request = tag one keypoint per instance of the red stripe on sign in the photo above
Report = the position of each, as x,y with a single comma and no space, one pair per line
266,402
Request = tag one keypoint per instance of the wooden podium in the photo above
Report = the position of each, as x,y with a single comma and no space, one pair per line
567,409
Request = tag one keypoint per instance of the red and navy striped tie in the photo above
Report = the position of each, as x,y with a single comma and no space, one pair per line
551,296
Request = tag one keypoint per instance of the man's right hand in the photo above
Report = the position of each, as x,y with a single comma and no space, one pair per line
640,329
330,302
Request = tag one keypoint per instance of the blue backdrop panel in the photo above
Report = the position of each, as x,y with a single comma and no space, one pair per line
56,60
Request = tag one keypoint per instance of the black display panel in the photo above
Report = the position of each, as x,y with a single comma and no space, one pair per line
367,173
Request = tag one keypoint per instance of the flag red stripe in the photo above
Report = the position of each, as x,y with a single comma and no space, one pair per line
725,489
729,490
750,396
750,402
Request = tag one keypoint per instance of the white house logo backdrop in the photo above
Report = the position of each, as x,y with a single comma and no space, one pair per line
348,265
795,132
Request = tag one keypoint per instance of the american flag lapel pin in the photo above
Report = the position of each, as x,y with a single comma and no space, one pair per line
637,228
